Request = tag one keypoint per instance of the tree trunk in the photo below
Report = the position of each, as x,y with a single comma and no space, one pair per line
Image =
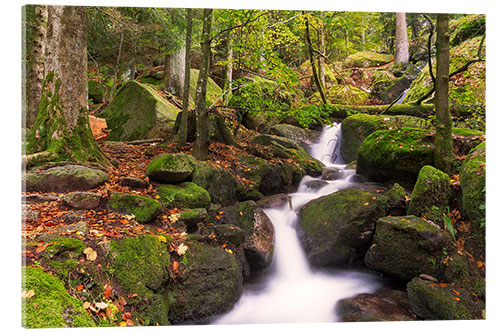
62,127
35,65
321,59
313,64
202,131
117,66
187,75
228,80
443,153
401,53
175,65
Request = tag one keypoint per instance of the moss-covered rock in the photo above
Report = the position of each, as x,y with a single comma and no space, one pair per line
139,266
433,301
338,228
357,127
184,195
143,208
386,87
62,255
82,200
305,138
384,305
467,27
191,217
213,90
219,183
407,246
259,233
170,168
396,154
473,184
431,195
51,306
210,284
367,59
396,201
97,91
139,112
345,94
64,179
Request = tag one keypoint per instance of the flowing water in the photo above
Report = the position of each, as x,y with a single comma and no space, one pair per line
292,291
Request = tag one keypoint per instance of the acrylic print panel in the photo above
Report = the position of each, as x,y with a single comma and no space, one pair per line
251,166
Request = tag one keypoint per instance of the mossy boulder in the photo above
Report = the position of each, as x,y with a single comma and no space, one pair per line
61,255
437,301
210,284
396,154
139,112
191,217
139,266
143,208
367,59
396,200
473,184
304,137
467,27
407,246
213,90
184,195
97,91
357,127
344,94
65,179
386,87
259,233
431,195
338,228
274,201
170,168
384,305
219,183
82,200
51,305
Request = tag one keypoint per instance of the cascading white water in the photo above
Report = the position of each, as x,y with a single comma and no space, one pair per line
292,291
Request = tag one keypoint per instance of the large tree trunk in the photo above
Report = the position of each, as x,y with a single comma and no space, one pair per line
443,154
202,131
35,64
401,53
187,75
175,65
62,128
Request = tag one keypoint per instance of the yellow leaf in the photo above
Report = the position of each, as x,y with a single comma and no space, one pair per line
366,204
123,324
174,217
28,294
90,253
228,250
86,305
162,239
181,250
101,305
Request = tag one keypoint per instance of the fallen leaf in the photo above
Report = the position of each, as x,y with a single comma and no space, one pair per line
162,239
80,287
175,265
181,250
456,292
101,305
443,285
108,290
456,299
28,294
86,305
90,253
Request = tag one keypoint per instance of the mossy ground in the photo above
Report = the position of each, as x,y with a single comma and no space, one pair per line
144,209
367,59
184,195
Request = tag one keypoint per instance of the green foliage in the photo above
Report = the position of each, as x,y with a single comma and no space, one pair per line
449,225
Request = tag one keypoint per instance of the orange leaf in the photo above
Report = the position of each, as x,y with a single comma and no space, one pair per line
456,292
175,265
127,315
107,291
443,285
456,299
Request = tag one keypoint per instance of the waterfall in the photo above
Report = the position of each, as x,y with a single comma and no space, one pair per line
292,291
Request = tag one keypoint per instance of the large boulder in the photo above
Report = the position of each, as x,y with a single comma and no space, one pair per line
64,179
473,184
82,200
396,154
386,87
139,112
304,137
338,228
210,284
220,183
213,90
384,305
431,195
259,233
357,127
51,306
184,195
139,266
439,301
367,59
143,208
170,168
407,246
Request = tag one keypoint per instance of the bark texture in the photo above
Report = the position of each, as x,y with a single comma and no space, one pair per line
202,131
187,76
401,53
443,153
228,80
175,64
62,126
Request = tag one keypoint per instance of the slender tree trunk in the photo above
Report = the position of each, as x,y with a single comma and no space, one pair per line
313,64
321,59
401,53
62,129
175,65
228,80
117,66
443,154
35,64
202,131
187,76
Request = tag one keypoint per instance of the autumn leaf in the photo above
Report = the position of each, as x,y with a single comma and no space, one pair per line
443,285
101,305
80,287
28,294
162,239
175,265
456,292
90,253
108,291
181,250
456,299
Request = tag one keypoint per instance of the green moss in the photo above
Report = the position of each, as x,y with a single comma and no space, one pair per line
466,132
97,91
184,195
431,194
139,265
219,183
367,59
171,168
144,209
467,27
65,247
51,306
213,90
342,94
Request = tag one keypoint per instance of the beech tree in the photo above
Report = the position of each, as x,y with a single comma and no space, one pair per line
62,130
443,153
187,74
401,53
